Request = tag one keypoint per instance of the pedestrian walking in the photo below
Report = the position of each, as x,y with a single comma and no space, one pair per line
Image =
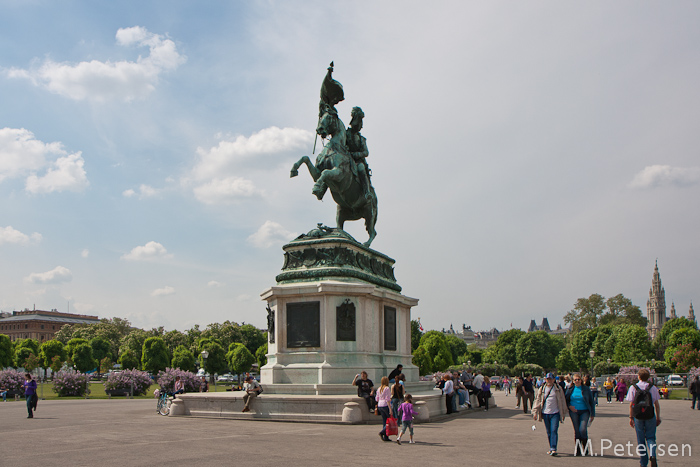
550,408
518,392
609,387
645,416
594,390
406,414
695,392
384,405
579,400
29,393
528,392
621,390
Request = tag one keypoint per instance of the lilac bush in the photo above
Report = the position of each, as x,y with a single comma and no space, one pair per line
12,380
166,380
628,374
70,383
124,379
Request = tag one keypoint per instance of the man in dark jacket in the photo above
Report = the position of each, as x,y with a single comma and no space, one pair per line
395,372
695,392
528,392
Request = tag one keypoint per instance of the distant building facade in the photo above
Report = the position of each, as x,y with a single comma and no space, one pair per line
481,338
38,324
545,327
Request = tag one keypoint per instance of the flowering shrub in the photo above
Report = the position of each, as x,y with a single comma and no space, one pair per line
70,383
166,380
12,380
628,374
124,380
695,371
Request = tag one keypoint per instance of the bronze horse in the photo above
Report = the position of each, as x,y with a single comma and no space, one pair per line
336,169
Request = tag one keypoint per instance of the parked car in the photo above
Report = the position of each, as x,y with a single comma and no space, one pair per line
674,380
227,378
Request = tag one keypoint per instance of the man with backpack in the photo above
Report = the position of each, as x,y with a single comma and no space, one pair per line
645,416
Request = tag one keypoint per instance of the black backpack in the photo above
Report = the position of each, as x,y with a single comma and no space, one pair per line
643,407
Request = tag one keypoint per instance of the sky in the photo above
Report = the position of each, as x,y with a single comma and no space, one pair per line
524,154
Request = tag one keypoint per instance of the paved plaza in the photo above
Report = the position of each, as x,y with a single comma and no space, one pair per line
129,433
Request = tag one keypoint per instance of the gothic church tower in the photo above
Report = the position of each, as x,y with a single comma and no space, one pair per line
656,305
691,313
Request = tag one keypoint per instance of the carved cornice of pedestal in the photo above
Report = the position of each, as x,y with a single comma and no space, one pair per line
326,253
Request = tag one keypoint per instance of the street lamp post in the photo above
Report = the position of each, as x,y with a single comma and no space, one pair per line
204,354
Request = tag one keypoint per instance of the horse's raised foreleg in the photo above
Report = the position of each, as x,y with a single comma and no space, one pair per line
313,171
326,177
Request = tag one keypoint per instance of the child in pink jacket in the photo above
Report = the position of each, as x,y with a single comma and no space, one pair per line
407,414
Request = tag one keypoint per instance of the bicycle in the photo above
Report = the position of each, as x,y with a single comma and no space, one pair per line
164,402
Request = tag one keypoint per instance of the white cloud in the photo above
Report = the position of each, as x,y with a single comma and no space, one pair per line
225,191
102,81
85,253
167,290
150,251
21,154
214,284
269,234
55,276
223,158
217,174
654,176
145,191
83,307
67,173
10,235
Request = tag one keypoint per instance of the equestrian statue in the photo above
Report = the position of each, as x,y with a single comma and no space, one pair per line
341,166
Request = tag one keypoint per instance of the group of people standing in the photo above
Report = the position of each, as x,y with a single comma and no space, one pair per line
615,388
388,401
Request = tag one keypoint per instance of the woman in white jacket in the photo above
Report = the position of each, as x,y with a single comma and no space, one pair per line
550,407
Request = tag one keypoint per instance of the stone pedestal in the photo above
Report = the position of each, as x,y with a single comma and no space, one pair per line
336,311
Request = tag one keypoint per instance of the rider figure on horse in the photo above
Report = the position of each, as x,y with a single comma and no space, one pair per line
357,146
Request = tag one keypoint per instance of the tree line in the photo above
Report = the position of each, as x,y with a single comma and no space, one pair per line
85,347
614,329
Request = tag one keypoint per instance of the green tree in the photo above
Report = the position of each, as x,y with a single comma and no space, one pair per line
128,360
581,346
31,344
621,310
183,359
105,364
504,350
261,355
416,334
684,336
538,347
473,355
565,362
660,343
101,349
216,361
435,343
56,364
6,351
134,342
252,337
239,358
154,355
457,346
72,344
586,313
174,339
50,349
224,333
421,359
632,344
82,357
